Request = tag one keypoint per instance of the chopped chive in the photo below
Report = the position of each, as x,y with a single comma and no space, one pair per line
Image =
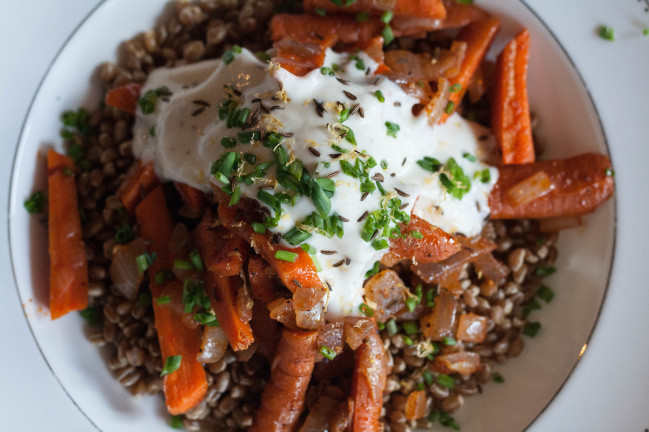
387,17
258,227
545,293
163,300
410,327
391,326
428,377
379,96
412,303
263,56
416,235
124,234
420,386
172,363
92,315
407,340
449,341
324,70
645,31
430,298
380,325
236,195
450,106
392,129
308,249
320,11
249,137
197,262
545,271
374,270
316,263
34,204
228,142
384,164
606,33
610,172
366,310
229,55
446,381
183,265
327,352
497,378
484,175
362,16
388,35
531,306
286,255
176,422
206,319
532,329
144,261
469,157
456,88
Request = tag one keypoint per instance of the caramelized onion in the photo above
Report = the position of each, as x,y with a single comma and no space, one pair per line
281,310
310,319
464,363
491,268
422,66
244,303
440,323
416,405
214,345
331,335
124,271
356,330
437,104
386,293
305,298
530,189
472,328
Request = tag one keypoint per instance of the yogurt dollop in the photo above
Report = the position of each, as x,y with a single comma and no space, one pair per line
325,122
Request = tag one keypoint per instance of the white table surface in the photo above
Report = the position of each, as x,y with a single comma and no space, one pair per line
609,389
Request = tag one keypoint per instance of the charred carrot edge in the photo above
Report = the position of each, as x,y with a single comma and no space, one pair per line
510,110
68,264
139,181
223,295
418,8
187,386
124,97
193,198
368,383
282,401
434,245
223,252
478,35
581,183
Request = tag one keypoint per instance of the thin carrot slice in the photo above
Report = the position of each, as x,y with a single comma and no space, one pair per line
478,36
223,292
581,183
187,386
510,110
223,252
416,405
282,401
124,97
193,198
423,242
68,264
368,383
140,180
421,8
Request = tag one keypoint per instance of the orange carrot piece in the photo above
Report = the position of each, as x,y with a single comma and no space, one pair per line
223,252
68,264
299,273
510,110
332,28
581,183
261,285
282,401
368,383
420,8
472,328
416,405
187,386
223,295
193,198
435,244
478,36
140,180
124,97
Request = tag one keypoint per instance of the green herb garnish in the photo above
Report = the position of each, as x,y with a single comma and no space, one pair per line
172,364
35,203
327,352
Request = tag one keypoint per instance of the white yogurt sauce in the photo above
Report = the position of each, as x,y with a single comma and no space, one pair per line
183,138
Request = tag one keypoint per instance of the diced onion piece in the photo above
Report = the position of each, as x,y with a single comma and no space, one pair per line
440,323
387,293
416,405
472,328
559,223
244,303
464,363
437,104
214,345
491,268
530,189
124,272
305,298
310,319
331,335
282,310
356,330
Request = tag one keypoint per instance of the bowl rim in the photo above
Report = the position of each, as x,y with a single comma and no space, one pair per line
103,3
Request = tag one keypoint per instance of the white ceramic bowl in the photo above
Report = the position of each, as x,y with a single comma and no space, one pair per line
532,379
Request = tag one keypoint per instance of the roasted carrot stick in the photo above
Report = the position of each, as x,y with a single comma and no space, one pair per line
223,252
432,246
580,184
124,97
68,264
283,398
420,8
478,36
368,382
261,285
510,110
193,198
139,181
223,292
187,386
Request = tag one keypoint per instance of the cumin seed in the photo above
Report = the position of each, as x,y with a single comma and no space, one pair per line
314,151
342,81
364,196
201,103
342,218
350,95
363,216
401,193
339,263
328,252
333,174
